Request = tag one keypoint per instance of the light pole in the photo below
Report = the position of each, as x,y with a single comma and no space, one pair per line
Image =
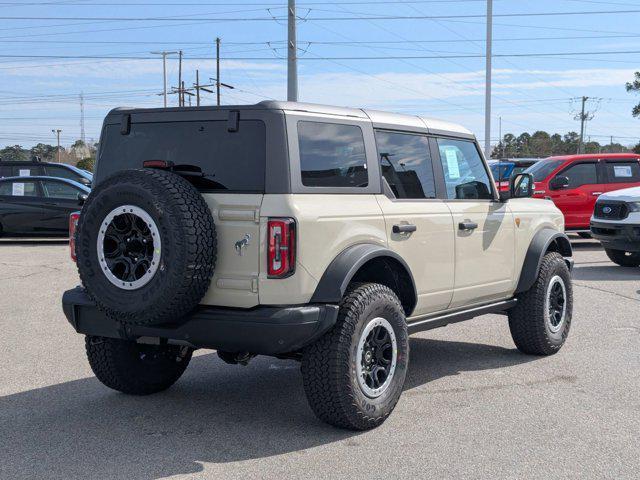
57,131
164,72
487,93
292,54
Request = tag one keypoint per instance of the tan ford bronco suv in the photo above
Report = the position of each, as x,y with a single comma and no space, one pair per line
322,234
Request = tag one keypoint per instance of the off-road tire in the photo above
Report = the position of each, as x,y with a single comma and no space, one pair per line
329,365
622,258
136,369
529,319
188,250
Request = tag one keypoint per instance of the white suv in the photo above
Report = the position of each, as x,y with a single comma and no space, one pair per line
616,223
316,233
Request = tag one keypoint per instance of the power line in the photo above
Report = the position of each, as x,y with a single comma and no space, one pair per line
400,57
371,17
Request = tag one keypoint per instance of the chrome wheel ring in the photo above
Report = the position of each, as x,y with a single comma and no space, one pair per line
556,304
376,357
129,247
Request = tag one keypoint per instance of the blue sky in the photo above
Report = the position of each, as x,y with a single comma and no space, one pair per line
530,93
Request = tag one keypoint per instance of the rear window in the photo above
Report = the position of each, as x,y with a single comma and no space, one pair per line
542,169
229,161
623,172
332,155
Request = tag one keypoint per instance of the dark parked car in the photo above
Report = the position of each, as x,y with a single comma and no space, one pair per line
38,205
38,168
503,169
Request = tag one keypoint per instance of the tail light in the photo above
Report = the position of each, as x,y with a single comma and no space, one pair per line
73,226
281,247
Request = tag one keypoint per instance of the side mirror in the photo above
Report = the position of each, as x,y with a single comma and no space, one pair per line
521,185
558,182
82,197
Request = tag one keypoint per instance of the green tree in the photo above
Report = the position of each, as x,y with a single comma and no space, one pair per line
636,149
14,152
634,87
44,151
86,164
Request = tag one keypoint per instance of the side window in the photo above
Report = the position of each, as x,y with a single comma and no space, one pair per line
25,171
60,172
581,174
59,190
5,171
464,172
623,172
332,155
405,162
19,189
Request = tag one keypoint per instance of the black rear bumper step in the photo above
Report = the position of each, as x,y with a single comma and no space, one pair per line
261,330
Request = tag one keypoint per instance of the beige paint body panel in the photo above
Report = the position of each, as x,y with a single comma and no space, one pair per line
532,215
484,259
429,251
327,225
235,279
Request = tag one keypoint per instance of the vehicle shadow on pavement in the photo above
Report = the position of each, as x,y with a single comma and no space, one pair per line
608,272
216,413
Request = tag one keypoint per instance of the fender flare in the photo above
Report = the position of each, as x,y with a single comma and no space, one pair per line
538,248
342,269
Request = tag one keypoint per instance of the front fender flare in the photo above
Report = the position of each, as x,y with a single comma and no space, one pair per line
341,270
539,246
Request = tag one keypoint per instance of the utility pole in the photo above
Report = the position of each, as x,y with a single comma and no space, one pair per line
164,72
82,117
501,153
487,92
584,117
57,132
197,88
292,54
180,83
218,71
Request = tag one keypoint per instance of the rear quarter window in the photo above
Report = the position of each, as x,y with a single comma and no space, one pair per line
229,161
332,155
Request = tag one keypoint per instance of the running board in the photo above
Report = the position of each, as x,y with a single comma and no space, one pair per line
429,322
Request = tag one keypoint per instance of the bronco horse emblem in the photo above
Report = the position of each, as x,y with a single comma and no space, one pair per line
240,244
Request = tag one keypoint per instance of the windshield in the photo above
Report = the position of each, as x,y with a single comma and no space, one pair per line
543,168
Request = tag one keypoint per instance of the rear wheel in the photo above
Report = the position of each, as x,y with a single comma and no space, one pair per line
135,368
354,375
622,258
541,319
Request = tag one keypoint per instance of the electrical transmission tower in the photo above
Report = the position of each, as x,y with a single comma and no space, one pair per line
585,116
82,117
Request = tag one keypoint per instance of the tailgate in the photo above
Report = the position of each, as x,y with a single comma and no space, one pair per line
237,220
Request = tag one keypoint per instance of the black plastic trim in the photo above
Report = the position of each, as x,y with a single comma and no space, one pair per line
539,246
429,322
342,269
265,330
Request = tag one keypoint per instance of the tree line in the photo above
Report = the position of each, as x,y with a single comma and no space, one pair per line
542,144
80,154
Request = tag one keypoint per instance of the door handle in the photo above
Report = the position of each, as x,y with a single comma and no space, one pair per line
467,226
595,194
404,228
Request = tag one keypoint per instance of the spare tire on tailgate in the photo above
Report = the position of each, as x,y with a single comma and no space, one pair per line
146,246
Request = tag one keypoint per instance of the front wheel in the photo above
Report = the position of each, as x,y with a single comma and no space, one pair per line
353,375
622,258
541,319
135,368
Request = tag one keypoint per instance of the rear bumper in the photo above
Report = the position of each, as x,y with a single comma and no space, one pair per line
617,236
260,330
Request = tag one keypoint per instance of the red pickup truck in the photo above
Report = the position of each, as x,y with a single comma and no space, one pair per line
574,182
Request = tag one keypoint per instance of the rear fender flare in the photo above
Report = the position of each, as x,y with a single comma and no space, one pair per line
343,268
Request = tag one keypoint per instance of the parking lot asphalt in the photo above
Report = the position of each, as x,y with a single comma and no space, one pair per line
473,406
